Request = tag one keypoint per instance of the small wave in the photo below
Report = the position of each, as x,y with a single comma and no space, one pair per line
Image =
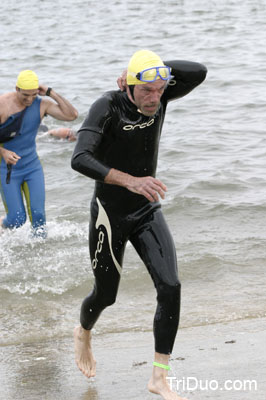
33,265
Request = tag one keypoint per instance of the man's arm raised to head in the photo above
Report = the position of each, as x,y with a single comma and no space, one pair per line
60,109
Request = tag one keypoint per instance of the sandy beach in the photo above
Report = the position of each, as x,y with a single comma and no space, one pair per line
205,360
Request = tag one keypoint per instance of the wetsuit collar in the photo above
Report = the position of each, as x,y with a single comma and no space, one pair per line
129,102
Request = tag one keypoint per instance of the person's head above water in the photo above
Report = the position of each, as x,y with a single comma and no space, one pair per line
147,77
144,67
27,80
27,87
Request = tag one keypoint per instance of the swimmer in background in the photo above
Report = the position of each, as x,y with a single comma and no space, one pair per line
20,167
60,133
63,133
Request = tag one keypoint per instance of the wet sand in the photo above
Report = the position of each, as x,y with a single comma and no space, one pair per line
213,354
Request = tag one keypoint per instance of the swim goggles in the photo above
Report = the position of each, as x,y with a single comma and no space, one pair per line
151,74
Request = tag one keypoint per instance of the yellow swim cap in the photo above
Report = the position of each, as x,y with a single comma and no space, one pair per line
141,60
27,80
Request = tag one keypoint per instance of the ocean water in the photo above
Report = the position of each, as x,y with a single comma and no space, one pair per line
212,159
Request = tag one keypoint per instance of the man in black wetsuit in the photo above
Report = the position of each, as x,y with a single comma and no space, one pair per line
118,147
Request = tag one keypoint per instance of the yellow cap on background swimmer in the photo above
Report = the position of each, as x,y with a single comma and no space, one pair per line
27,80
141,60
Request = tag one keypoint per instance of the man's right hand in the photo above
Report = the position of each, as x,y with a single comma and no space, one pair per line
9,156
147,186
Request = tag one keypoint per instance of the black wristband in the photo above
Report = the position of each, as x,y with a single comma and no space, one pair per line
48,91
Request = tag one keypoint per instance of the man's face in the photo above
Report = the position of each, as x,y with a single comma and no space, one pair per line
147,97
26,97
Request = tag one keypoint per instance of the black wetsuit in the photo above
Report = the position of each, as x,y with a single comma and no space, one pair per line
116,135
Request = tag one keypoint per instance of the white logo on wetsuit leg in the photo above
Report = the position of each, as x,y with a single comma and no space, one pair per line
140,126
103,219
98,249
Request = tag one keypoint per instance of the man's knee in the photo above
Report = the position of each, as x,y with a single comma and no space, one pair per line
169,293
102,298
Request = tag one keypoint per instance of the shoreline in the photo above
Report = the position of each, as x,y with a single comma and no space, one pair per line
203,357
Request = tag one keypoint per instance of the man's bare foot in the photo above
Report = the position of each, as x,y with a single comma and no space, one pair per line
158,383
83,353
160,386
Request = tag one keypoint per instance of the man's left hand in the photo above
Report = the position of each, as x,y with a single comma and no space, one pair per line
42,90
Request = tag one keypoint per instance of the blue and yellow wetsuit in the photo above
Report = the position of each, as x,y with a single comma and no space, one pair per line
27,175
115,135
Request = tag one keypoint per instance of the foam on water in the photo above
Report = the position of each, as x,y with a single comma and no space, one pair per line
32,265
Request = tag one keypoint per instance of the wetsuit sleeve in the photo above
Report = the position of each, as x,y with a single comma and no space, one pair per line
186,76
90,137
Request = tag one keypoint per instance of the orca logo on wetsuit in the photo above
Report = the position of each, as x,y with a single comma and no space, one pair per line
98,249
140,126
172,82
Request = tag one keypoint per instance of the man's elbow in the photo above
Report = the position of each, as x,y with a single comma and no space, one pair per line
203,73
74,115
75,163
